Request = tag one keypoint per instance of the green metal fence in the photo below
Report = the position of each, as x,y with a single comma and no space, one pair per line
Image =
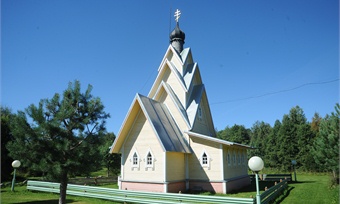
134,196
152,197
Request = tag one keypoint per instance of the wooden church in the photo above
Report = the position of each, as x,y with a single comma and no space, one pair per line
168,141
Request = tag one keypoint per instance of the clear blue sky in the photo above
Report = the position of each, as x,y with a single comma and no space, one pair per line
258,59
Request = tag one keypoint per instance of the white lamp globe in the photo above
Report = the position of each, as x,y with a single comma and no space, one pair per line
16,164
255,163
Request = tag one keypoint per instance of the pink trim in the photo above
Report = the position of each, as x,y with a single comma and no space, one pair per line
149,187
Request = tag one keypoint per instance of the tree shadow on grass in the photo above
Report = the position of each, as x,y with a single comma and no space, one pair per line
50,201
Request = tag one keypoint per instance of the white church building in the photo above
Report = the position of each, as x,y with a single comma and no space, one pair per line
168,141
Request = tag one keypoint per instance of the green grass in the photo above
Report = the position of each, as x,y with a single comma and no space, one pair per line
23,196
310,189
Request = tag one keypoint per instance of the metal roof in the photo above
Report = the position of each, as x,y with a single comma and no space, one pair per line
164,125
214,139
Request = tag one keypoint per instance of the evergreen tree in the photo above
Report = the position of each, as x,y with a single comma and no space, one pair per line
326,146
237,133
273,146
6,136
111,161
289,137
259,138
61,140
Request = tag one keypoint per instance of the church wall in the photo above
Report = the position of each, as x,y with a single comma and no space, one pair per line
235,165
198,171
175,166
142,139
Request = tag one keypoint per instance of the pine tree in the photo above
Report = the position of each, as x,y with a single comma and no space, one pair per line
61,138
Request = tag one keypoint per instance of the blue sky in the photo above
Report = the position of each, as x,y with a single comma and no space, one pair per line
258,59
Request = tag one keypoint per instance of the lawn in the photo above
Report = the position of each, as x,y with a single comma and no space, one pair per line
310,188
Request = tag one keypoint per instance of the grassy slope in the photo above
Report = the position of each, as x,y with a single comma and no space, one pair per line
310,189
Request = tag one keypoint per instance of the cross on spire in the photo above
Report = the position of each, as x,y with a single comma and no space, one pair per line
177,15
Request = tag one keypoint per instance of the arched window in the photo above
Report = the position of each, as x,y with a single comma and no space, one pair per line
149,159
135,159
204,159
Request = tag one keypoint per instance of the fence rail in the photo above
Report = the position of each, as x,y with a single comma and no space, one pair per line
272,177
134,196
274,192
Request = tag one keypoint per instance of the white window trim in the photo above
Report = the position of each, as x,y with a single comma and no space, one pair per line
137,166
209,159
149,166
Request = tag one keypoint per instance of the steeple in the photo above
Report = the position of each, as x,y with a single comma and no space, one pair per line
177,36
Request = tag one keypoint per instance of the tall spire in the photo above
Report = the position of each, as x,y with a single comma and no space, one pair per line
177,36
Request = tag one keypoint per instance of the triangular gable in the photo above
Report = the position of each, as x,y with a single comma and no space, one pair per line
197,95
165,128
160,76
169,51
175,99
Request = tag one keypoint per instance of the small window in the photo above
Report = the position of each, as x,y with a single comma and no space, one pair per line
149,159
234,158
204,159
199,113
135,159
228,158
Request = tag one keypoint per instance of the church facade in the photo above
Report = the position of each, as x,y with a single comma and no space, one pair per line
168,141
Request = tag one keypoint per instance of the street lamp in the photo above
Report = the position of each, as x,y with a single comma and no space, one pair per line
256,164
293,164
15,164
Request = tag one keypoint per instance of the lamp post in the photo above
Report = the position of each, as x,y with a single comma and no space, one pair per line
256,164
293,164
15,164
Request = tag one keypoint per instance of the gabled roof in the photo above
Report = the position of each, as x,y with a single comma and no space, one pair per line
175,99
216,140
164,126
160,75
